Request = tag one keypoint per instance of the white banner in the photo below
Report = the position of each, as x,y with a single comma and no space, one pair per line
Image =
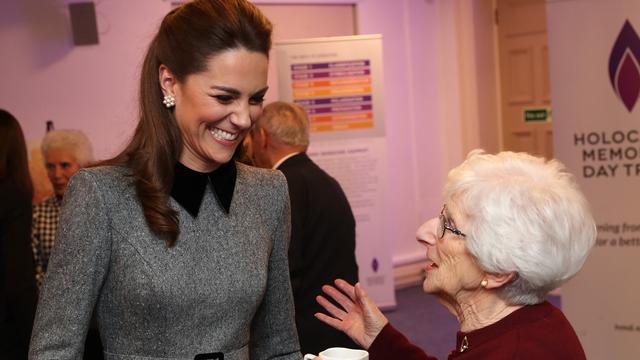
339,82
594,58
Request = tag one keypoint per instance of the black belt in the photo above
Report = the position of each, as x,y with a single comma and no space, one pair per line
210,356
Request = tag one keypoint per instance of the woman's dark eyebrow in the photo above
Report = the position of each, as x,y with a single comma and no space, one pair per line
261,91
237,92
226,89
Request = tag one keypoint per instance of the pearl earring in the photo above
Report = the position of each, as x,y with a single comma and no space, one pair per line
169,101
484,283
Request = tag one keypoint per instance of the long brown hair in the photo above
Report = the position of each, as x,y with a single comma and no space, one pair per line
188,36
14,163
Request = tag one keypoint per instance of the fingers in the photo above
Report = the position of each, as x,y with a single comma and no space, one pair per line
339,297
333,322
346,288
360,294
331,309
367,305
355,293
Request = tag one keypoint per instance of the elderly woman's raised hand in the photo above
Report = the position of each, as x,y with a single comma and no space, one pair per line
358,316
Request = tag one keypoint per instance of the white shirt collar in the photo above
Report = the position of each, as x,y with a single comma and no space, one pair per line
276,165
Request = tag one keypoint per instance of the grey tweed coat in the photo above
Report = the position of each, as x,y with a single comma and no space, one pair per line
224,286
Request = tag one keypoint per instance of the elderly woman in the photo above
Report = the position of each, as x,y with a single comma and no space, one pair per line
64,153
513,227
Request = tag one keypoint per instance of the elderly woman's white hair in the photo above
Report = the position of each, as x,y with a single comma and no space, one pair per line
73,141
524,215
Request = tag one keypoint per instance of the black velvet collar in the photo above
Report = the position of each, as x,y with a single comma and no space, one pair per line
189,186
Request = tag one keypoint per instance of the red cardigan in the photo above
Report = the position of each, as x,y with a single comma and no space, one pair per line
532,332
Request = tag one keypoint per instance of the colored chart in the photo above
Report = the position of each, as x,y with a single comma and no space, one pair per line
336,95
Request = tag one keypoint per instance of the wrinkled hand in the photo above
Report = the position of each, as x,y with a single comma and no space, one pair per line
358,316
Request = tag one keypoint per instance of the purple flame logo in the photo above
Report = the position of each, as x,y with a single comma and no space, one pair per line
374,265
624,68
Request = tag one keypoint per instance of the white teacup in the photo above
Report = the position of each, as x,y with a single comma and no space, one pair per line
338,353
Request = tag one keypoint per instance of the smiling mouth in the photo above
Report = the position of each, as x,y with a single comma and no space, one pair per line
223,135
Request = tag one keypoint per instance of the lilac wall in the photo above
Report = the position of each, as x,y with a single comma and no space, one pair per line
93,88
408,31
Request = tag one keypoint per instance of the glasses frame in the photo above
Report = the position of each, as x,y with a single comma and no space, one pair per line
445,225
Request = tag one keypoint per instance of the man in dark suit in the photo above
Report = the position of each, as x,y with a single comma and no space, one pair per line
322,246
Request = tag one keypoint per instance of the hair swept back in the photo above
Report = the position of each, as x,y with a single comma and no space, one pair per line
14,162
72,141
286,121
188,36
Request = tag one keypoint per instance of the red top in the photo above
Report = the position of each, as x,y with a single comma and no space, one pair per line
532,332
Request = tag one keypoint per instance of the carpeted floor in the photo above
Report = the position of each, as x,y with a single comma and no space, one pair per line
427,323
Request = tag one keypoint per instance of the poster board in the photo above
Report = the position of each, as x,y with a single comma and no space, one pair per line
338,80
595,83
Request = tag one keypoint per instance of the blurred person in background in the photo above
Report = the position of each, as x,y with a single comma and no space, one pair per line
323,228
18,292
513,228
64,152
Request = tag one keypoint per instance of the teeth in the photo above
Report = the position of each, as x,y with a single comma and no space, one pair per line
223,135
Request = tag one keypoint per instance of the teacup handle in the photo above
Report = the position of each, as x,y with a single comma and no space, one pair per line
309,357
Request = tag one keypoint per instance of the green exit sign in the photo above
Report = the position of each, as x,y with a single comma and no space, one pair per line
537,115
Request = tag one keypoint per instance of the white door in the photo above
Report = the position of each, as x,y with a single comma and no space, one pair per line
524,74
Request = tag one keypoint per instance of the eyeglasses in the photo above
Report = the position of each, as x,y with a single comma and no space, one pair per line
445,225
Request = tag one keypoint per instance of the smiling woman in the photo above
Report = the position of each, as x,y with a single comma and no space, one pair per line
182,251
216,108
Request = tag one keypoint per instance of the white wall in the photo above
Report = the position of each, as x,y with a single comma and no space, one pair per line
94,88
